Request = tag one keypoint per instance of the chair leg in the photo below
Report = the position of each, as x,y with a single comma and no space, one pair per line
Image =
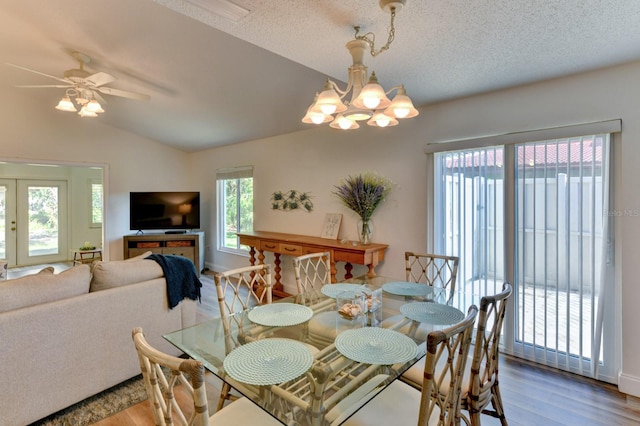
496,401
224,395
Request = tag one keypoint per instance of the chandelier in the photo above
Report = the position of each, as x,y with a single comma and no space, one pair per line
368,100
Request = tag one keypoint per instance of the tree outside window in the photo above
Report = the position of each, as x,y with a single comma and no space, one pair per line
96,204
235,201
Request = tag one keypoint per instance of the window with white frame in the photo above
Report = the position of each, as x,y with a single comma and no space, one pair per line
234,189
96,203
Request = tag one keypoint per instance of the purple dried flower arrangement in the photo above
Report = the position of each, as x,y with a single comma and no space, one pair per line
363,193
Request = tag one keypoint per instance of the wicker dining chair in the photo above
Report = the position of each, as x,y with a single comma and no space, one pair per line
239,289
312,271
160,391
480,384
438,403
432,269
435,270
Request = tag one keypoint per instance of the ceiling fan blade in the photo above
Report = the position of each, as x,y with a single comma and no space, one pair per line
123,93
37,86
100,78
36,72
98,98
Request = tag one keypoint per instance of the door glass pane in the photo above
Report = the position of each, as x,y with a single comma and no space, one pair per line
43,220
559,195
470,217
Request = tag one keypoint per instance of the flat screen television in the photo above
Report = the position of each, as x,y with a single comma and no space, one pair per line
179,211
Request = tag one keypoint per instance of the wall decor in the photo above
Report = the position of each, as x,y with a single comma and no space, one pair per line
331,226
291,200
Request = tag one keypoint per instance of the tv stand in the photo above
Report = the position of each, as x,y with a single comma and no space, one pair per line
187,244
175,232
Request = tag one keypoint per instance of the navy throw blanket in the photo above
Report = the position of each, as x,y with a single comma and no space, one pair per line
182,278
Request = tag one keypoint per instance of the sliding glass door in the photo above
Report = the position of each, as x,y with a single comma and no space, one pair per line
535,214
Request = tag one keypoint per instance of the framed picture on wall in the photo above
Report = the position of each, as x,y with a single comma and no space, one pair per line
331,226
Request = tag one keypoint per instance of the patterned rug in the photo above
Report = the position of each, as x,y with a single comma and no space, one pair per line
100,406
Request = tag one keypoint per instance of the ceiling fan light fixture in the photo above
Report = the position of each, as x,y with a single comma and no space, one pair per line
65,104
94,106
84,112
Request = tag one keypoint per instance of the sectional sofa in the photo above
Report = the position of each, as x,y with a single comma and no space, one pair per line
65,337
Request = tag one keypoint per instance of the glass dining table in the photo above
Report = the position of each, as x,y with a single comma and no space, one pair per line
315,358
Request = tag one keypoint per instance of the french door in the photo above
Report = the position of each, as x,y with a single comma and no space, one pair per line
534,214
33,221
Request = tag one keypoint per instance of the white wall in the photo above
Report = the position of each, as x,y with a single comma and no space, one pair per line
317,159
35,131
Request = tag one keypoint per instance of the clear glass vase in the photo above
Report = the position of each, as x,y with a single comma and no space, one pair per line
365,229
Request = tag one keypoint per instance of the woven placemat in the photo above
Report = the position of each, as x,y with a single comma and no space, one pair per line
333,290
268,361
374,345
432,313
280,314
405,288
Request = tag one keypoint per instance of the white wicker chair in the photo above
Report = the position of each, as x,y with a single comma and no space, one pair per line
438,403
239,289
480,382
160,391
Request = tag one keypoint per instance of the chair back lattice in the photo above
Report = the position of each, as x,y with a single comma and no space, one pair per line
243,288
432,269
160,389
312,271
483,381
447,349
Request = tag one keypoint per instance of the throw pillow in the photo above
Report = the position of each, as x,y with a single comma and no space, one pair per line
117,273
44,287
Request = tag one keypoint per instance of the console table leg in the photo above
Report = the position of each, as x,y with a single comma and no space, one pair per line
348,267
276,261
334,271
372,271
252,255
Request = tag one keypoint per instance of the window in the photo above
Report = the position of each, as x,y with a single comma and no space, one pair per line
235,206
96,204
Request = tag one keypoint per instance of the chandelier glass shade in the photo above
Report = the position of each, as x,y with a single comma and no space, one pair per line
369,101
89,106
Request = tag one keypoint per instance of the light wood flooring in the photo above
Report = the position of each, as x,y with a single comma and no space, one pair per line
532,394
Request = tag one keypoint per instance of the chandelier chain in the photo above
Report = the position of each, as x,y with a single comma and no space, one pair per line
370,37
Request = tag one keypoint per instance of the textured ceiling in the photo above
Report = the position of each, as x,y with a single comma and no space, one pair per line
213,81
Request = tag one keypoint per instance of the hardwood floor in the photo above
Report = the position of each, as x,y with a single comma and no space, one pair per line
532,394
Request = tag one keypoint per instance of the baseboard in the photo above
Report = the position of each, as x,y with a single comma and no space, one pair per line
629,385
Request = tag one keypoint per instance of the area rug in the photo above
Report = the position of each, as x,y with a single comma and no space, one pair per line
99,406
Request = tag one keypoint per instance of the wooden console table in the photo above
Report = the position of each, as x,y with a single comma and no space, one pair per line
296,245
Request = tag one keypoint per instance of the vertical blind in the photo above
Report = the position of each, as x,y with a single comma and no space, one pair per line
533,214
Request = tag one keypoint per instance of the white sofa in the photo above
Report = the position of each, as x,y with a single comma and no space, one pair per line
65,337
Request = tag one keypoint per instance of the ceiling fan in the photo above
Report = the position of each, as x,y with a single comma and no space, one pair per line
84,87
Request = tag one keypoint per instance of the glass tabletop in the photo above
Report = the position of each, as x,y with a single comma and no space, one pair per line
319,374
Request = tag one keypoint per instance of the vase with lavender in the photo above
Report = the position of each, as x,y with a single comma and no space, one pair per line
363,193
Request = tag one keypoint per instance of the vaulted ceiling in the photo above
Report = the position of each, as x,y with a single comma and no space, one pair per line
220,72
